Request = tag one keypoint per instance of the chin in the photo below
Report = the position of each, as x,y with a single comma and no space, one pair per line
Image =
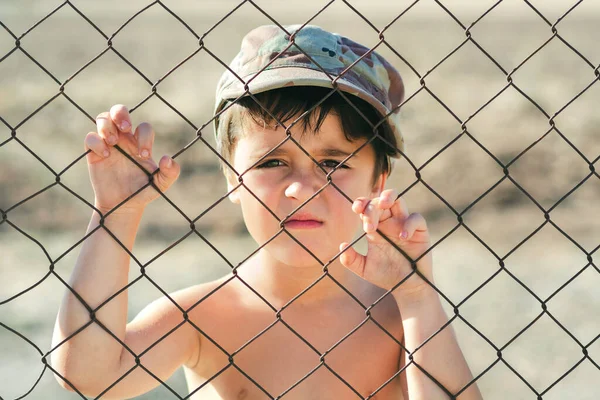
287,251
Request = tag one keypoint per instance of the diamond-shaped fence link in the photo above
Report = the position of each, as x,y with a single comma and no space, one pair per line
464,126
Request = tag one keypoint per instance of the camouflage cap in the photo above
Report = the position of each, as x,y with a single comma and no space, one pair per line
372,78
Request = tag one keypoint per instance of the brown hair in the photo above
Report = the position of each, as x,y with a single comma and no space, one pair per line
286,103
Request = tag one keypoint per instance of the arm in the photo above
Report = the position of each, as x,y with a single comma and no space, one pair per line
93,360
420,308
422,316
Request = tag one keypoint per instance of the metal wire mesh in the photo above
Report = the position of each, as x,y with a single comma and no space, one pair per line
200,140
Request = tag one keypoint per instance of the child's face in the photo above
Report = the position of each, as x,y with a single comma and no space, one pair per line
287,178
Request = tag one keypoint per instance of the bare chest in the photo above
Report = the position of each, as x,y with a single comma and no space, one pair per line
329,355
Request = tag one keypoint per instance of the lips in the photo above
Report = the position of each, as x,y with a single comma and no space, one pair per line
303,217
303,221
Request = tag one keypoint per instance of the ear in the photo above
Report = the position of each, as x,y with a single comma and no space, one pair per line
379,185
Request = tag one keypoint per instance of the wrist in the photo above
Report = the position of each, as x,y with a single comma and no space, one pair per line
121,211
415,296
121,218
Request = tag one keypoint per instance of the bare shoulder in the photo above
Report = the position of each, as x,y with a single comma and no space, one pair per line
190,298
175,308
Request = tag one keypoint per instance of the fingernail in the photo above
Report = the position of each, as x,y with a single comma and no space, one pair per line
113,140
145,153
169,163
369,227
106,153
125,125
404,235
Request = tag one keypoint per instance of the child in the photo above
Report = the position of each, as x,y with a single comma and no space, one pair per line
296,318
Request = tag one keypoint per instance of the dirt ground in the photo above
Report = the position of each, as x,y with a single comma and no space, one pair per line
543,102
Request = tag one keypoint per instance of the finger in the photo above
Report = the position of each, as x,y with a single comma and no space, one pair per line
387,198
358,206
119,114
398,210
107,129
352,260
144,134
168,173
98,147
415,222
386,201
370,216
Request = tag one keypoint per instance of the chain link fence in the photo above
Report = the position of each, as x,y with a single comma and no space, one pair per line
531,195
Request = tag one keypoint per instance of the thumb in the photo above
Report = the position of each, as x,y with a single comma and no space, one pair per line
168,173
352,260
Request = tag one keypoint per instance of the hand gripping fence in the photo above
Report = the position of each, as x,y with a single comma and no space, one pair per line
539,393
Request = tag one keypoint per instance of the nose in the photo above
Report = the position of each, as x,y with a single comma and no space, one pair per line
303,186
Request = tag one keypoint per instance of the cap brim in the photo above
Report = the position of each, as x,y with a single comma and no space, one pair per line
286,76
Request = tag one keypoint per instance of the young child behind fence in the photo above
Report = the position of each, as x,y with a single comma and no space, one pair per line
324,344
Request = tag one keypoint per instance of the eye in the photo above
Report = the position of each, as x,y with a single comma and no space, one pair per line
270,164
332,164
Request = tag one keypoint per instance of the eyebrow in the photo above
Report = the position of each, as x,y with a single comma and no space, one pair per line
329,152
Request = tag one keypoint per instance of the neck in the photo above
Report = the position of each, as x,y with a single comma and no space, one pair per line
279,283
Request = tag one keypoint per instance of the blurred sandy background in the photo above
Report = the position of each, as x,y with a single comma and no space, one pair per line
155,42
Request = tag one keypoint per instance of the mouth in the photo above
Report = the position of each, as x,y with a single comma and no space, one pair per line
303,221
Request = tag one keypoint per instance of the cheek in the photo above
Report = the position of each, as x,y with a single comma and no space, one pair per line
260,187
342,213
253,201
342,207
260,222
351,186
